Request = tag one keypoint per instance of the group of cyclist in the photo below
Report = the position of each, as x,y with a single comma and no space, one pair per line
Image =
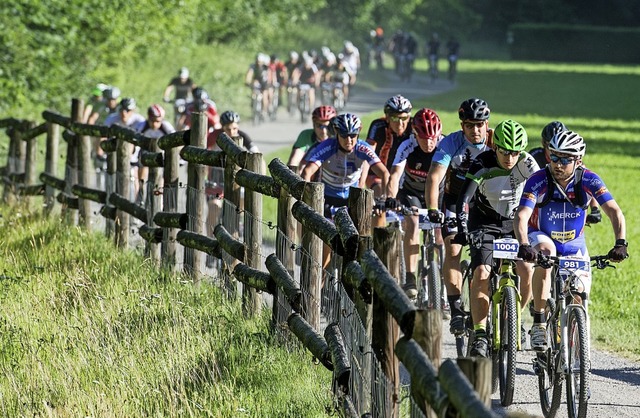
476,180
309,73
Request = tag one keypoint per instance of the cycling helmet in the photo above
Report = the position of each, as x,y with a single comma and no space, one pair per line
323,113
426,123
397,104
127,103
155,111
551,130
111,93
568,142
229,117
98,90
474,109
346,124
200,94
184,72
294,55
510,135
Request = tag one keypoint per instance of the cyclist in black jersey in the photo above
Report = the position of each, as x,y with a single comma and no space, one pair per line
387,133
406,185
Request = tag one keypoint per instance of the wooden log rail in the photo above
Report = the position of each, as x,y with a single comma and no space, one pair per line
310,338
389,291
203,156
95,195
339,357
347,232
287,179
353,275
318,224
257,279
150,234
171,220
285,282
258,182
125,205
199,242
231,245
232,151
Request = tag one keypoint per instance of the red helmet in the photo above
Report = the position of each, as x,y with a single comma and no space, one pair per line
324,113
155,111
427,124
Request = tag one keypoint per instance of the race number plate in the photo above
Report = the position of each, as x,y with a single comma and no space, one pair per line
423,220
505,248
573,264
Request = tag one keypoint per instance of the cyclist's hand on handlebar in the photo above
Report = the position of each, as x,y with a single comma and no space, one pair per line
379,206
392,203
594,217
618,252
435,216
461,238
527,253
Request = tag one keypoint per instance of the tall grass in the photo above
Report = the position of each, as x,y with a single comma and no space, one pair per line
88,330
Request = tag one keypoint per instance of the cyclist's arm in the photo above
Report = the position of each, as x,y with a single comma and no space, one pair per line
432,185
383,174
362,182
469,188
309,171
248,77
296,157
613,211
167,92
394,179
521,221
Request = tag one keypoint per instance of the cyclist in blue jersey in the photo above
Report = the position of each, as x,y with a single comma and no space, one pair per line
450,163
552,216
406,185
489,197
541,154
343,162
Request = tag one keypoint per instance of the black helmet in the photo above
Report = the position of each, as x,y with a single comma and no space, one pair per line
229,117
474,109
200,96
111,93
127,103
552,128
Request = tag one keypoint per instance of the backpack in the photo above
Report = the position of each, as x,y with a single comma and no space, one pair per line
580,198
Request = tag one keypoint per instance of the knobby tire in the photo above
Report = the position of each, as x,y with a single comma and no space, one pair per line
578,357
508,344
549,380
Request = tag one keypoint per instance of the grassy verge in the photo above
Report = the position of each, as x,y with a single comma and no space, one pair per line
87,330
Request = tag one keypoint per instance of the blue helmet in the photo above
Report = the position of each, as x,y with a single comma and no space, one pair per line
346,124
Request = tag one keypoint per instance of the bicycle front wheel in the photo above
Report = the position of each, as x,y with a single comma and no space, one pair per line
508,344
433,285
549,383
578,367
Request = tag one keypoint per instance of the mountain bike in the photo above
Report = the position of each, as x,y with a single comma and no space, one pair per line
256,104
338,100
567,357
433,67
503,321
405,67
292,97
430,292
453,66
326,93
274,103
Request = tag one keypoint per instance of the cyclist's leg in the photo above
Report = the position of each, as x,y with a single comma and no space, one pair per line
525,273
541,287
411,242
451,266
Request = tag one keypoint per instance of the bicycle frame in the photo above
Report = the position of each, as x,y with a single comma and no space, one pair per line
504,255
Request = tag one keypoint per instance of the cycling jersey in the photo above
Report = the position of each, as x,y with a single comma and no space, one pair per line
456,153
385,141
306,139
145,128
212,114
497,191
416,164
540,156
212,140
308,75
133,121
183,89
559,218
340,170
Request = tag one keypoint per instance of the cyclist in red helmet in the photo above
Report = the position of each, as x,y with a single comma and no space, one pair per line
310,137
407,182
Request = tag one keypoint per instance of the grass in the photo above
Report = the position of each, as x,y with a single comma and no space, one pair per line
86,330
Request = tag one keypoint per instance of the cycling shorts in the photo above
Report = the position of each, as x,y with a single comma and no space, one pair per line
410,199
448,204
331,204
484,254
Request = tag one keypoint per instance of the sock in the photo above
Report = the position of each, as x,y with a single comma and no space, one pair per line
410,280
538,318
480,330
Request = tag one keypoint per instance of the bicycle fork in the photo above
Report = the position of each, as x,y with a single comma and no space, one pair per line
506,280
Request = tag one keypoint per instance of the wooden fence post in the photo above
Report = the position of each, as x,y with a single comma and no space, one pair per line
110,187
311,268
252,301
123,188
8,195
154,201
71,170
51,164
170,204
230,209
196,199
30,163
85,169
385,333
286,230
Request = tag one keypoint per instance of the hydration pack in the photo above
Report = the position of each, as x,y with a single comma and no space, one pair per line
579,200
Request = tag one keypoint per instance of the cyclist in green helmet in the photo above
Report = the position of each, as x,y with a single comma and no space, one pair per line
489,197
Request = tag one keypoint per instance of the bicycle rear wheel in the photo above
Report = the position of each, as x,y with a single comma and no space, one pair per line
549,383
579,364
463,341
508,344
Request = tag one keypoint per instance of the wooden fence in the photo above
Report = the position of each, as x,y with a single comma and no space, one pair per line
361,307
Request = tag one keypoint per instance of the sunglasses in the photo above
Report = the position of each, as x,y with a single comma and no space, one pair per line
323,127
508,153
348,136
398,118
562,160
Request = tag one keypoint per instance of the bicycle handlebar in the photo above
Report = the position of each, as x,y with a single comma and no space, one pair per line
547,261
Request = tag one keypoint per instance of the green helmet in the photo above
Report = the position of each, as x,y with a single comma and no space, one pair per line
510,135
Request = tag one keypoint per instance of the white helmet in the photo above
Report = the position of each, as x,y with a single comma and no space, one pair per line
568,142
